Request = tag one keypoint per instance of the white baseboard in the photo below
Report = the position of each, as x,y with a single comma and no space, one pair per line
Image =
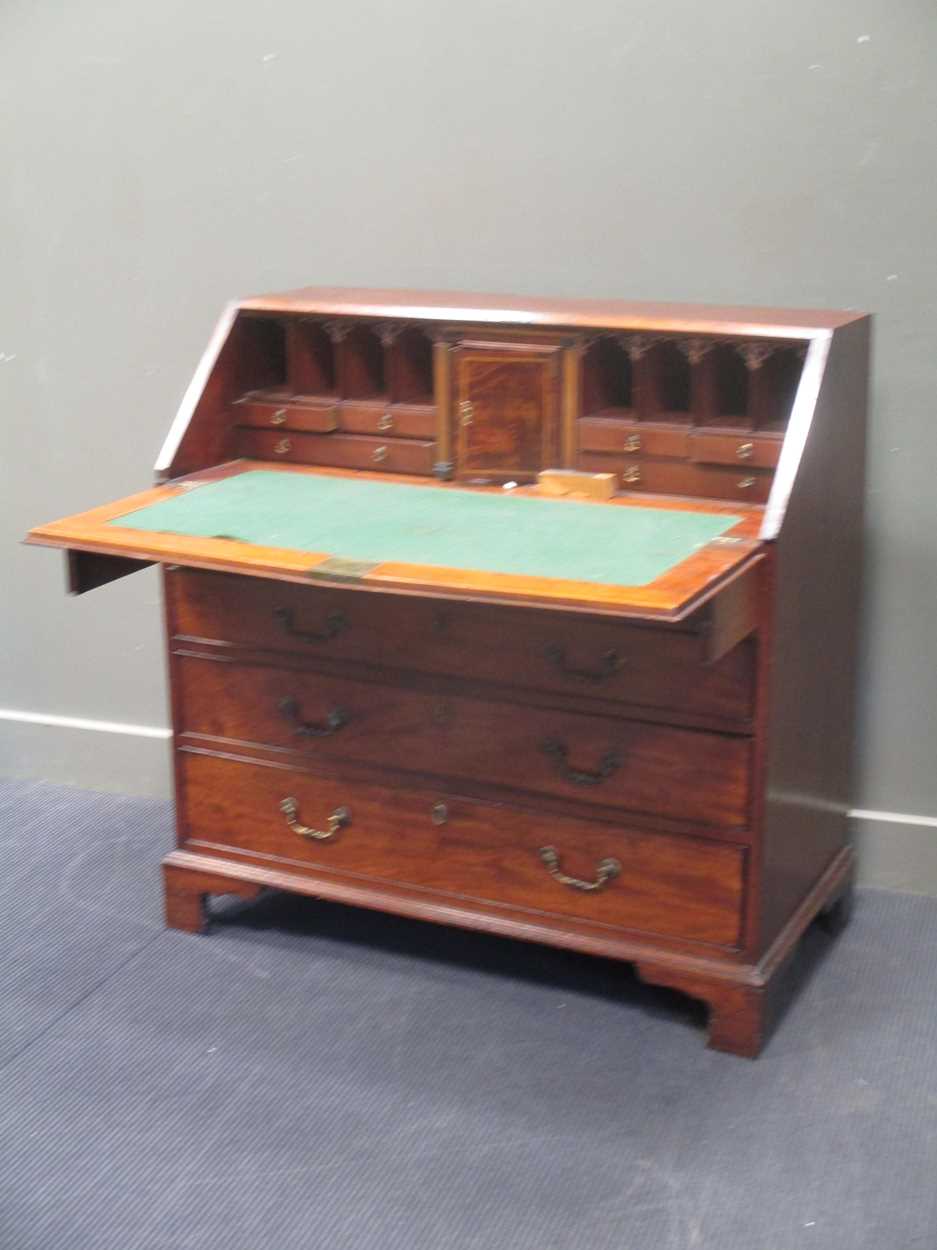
78,751
896,850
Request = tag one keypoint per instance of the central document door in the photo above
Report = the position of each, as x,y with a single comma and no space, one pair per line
506,410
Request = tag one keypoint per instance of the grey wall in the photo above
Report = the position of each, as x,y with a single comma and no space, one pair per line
162,158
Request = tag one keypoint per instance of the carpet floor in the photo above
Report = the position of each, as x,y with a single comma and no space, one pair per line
314,1076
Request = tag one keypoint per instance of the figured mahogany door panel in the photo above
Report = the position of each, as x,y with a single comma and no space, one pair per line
686,888
676,774
581,658
506,410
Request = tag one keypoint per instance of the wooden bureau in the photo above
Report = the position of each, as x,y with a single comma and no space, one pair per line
405,678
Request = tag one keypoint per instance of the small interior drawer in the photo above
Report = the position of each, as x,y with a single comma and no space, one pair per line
607,434
743,450
312,417
389,420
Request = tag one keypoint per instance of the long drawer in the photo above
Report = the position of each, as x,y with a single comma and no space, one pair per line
679,887
678,774
557,652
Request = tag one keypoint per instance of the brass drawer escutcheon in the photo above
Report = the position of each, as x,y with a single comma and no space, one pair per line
746,483
339,818
631,475
279,417
284,446
745,451
379,455
386,422
632,443
467,412
605,871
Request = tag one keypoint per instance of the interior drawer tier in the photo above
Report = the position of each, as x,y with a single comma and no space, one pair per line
583,657
340,451
674,477
676,774
679,887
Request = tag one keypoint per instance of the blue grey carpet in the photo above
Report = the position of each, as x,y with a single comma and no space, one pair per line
311,1076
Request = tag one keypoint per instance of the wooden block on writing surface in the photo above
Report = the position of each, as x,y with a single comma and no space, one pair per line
572,482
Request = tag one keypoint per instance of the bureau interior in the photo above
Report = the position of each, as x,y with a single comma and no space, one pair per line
697,416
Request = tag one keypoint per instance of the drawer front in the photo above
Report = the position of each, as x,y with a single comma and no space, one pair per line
389,420
678,774
679,887
742,450
315,418
340,451
666,477
605,434
556,652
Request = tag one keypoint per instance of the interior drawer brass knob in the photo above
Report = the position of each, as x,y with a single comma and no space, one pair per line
279,417
745,451
379,455
746,483
339,818
605,870
386,422
283,446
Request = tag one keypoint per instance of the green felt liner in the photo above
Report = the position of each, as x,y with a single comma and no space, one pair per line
457,529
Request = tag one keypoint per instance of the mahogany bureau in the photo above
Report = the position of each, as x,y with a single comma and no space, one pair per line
405,677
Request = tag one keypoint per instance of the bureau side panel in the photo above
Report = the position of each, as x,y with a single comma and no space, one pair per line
813,610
